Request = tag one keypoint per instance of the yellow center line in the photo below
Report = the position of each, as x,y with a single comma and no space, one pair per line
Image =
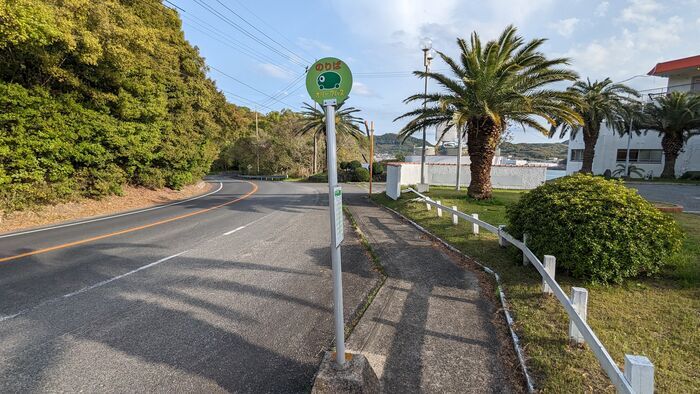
129,230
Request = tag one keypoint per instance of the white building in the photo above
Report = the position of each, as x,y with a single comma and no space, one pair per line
644,150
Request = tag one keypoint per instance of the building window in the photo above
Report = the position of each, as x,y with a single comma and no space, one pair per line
577,155
621,154
695,87
640,155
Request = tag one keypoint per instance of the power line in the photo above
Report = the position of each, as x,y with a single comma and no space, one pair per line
230,41
233,24
284,37
284,89
249,86
262,32
269,98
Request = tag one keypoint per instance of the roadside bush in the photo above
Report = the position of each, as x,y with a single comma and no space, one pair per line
598,229
355,164
377,169
361,175
318,178
691,175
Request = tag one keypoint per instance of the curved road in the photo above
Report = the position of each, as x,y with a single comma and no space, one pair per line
227,292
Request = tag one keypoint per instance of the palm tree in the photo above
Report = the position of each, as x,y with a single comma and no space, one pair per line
676,117
314,122
501,81
600,101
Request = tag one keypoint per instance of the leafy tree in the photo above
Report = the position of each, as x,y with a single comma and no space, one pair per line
599,101
500,81
314,122
676,117
97,94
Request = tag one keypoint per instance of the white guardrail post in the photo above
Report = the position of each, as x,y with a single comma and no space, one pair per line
526,261
428,206
638,377
639,372
550,263
439,210
455,218
579,300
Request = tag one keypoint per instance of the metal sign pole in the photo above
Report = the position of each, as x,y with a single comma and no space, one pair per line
335,195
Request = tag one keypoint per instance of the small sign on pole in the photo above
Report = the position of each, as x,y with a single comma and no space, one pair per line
328,82
338,197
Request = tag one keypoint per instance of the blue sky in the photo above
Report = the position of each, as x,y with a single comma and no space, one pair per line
263,44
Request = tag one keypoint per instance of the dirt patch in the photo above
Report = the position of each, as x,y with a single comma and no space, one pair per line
133,198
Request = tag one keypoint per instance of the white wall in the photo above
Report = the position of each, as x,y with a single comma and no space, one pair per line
502,177
609,142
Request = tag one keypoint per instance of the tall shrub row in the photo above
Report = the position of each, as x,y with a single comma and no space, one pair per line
97,94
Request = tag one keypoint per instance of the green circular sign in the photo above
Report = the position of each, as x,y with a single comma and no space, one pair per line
329,79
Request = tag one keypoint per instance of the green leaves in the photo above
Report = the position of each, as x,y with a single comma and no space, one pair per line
598,229
96,94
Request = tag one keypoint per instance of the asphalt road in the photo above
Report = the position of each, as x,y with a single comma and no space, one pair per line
688,196
227,292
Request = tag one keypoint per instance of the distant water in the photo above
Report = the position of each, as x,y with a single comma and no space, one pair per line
553,174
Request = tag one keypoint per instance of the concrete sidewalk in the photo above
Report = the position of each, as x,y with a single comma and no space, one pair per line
431,327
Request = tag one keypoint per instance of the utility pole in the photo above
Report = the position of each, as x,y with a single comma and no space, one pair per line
629,141
459,157
427,57
371,154
257,143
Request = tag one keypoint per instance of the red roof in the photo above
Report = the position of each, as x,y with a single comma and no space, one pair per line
675,65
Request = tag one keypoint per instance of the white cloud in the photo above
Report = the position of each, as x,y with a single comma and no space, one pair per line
602,9
361,89
275,71
641,11
565,27
312,45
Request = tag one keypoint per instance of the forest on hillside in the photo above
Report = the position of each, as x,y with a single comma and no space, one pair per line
98,94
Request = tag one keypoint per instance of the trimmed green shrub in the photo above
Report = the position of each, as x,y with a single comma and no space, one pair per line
598,229
318,178
361,175
354,165
691,175
377,168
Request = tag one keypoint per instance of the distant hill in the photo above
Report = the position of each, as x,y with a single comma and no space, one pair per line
389,144
535,151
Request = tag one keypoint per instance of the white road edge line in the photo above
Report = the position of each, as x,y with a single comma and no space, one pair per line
221,186
234,230
246,225
96,285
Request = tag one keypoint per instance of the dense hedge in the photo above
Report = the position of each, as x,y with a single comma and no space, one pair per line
101,93
597,229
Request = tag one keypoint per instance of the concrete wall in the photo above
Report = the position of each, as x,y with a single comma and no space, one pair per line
502,177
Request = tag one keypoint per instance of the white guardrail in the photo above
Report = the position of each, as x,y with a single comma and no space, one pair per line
638,377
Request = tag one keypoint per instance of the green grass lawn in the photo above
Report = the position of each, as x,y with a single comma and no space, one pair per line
658,318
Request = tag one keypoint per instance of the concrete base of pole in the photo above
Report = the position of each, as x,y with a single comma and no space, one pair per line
356,376
422,187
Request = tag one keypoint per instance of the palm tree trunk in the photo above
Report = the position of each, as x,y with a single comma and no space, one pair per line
482,139
590,138
672,147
